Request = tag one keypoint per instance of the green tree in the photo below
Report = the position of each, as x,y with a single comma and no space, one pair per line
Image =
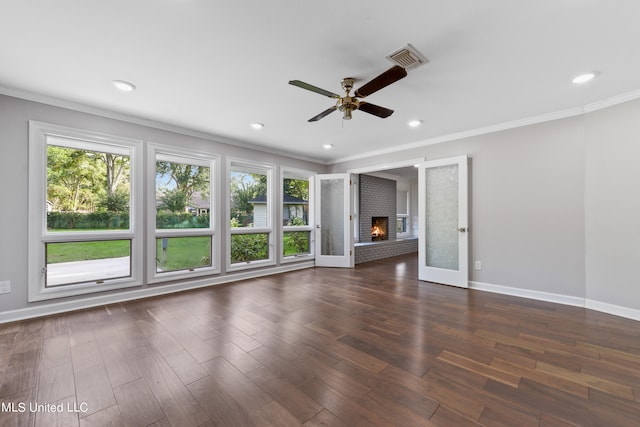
174,200
186,178
244,188
296,187
117,201
73,179
116,171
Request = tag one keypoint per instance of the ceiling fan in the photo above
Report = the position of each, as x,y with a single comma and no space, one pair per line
348,103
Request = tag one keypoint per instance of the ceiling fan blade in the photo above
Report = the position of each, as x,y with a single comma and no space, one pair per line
392,75
323,114
376,110
312,88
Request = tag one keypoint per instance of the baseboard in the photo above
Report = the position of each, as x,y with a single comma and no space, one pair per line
615,310
150,291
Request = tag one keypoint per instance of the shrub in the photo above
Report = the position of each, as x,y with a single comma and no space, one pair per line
100,220
248,247
166,220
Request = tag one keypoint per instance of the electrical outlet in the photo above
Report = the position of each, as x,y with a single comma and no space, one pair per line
5,287
478,265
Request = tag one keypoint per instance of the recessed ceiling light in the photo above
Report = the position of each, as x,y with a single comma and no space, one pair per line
124,86
257,125
327,146
583,78
415,123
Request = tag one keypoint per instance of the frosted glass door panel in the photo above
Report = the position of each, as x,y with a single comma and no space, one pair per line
332,217
442,217
333,239
443,242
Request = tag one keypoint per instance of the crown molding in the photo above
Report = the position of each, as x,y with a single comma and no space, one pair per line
614,100
129,118
562,114
570,112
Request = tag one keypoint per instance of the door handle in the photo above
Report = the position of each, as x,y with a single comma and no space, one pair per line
318,226
462,229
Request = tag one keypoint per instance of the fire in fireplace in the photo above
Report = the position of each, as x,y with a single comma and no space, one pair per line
379,228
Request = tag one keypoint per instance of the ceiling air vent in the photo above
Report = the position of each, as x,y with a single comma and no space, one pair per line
407,57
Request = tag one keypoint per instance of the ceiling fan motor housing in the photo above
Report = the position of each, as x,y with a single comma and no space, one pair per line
347,104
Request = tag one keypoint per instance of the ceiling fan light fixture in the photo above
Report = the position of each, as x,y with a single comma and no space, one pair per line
124,86
583,78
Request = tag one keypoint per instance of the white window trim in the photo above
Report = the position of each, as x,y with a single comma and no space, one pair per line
268,170
408,227
179,154
39,133
286,172
407,233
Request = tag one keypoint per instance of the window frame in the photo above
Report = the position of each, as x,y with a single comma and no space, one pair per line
182,155
286,172
39,236
237,165
404,216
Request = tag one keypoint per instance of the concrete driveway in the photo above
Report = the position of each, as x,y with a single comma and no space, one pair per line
88,271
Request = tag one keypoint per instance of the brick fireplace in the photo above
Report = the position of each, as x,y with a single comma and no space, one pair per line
377,208
377,199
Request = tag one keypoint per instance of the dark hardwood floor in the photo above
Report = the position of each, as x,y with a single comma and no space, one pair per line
339,347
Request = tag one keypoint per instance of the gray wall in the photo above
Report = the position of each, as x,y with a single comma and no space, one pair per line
554,207
527,204
14,116
612,205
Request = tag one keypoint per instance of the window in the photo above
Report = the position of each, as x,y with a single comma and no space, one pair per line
296,229
250,216
84,204
184,241
402,213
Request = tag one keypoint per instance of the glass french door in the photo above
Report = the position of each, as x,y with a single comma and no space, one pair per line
443,244
334,233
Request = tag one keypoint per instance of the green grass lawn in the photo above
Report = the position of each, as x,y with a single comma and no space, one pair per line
183,253
82,251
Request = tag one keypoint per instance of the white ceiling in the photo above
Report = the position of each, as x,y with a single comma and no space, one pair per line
217,66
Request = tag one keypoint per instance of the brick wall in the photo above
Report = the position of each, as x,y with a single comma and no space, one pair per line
377,198
366,252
